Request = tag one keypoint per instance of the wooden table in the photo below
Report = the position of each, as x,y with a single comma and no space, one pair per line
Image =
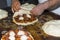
35,31
45,17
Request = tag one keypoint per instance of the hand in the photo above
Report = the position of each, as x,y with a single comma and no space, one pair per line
38,10
15,6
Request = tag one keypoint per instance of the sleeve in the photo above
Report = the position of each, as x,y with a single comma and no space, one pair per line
42,1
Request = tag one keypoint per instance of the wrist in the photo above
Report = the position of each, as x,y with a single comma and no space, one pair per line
46,5
43,5
51,3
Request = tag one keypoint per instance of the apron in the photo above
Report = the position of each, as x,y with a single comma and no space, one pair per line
3,3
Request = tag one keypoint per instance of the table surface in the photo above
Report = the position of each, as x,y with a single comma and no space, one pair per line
35,30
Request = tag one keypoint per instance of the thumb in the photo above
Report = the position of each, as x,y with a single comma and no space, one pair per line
12,8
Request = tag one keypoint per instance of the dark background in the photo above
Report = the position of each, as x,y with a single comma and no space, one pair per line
29,1
5,3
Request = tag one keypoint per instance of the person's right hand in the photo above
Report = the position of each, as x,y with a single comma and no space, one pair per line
15,6
38,10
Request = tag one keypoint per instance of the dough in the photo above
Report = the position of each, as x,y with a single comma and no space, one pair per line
3,14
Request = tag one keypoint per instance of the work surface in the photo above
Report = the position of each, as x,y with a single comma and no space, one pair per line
35,30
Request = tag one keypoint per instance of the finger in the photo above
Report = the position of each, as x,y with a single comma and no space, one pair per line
12,10
16,7
34,13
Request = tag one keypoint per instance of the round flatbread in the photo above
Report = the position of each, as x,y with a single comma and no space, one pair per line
17,35
28,6
3,14
24,17
52,28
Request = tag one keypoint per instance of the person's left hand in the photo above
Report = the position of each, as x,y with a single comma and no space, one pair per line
38,10
15,6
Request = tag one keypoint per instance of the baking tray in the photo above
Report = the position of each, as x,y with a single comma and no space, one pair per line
7,24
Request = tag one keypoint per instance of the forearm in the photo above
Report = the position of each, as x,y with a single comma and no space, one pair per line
51,3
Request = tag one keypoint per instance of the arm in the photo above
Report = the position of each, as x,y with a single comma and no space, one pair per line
50,4
39,9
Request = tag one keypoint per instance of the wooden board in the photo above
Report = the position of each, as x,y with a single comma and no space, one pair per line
35,30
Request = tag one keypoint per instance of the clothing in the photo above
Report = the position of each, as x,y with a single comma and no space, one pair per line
56,11
7,3
3,3
29,1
